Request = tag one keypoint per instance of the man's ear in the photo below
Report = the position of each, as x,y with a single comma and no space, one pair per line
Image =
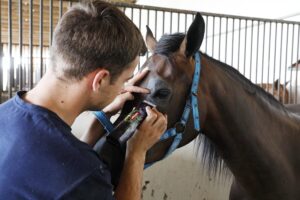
100,79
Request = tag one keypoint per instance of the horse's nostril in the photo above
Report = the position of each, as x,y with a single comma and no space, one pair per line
161,94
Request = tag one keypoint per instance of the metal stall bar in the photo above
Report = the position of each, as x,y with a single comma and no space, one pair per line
269,53
245,47
21,45
292,52
239,46
155,33
50,22
171,25
60,8
275,51
285,62
251,52
41,39
257,46
280,57
263,53
163,23
297,65
232,42
220,28
213,39
30,45
226,35
11,66
206,34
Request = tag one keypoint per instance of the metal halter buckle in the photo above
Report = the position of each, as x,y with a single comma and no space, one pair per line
179,127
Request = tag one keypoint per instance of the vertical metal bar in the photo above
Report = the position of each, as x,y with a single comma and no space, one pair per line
21,45
269,53
131,17
140,18
263,53
178,21
213,36
155,34
275,51
163,24
185,22
171,21
10,77
292,52
245,48
50,22
286,59
41,38
206,33
140,28
232,42
251,48
239,45
60,8
220,27
280,57
298,58
226,35
257,50
30,45
148,21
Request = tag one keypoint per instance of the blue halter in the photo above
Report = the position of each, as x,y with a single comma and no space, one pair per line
191,104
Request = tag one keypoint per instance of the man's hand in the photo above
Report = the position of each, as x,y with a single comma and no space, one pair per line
126,93
148,133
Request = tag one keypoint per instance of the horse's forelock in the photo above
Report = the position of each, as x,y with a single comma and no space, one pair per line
169,43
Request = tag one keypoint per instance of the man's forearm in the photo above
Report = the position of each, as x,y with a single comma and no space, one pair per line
130,184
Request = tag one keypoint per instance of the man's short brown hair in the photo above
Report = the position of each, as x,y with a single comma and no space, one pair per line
94,35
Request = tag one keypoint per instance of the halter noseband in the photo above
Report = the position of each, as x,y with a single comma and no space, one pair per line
191,104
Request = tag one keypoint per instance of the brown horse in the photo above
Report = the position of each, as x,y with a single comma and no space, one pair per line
279,91
255,135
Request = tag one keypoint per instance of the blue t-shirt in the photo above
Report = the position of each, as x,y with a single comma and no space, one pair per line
41,159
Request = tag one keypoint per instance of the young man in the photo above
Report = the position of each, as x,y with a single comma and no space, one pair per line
95,51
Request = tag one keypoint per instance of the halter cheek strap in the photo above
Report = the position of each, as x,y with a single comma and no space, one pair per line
191,104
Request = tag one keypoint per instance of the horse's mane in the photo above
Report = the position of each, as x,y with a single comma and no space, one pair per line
210,157
246,82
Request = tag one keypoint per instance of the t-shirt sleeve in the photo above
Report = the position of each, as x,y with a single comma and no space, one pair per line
93,187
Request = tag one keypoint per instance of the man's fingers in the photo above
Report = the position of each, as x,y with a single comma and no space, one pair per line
139,76
126,96
135,89
151,115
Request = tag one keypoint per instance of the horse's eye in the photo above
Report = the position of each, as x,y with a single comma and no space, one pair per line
162,93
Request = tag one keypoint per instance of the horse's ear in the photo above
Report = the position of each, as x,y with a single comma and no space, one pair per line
150,40
286,83
194,36
276,84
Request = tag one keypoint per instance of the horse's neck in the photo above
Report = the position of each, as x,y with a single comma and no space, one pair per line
251,134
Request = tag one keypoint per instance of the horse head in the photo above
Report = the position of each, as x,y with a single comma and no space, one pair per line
171,69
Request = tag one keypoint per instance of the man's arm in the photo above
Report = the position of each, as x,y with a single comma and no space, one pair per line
130,184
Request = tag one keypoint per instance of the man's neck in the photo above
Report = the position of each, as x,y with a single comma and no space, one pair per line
65,99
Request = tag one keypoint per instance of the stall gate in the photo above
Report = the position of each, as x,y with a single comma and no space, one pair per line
263,50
